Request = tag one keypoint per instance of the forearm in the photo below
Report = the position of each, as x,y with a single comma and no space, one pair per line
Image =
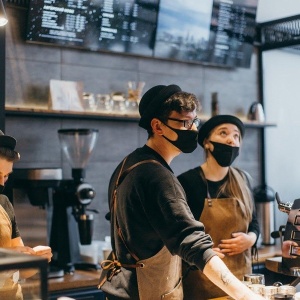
219,274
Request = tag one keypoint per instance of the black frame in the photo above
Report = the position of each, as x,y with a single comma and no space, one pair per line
275,34
2,76
10,260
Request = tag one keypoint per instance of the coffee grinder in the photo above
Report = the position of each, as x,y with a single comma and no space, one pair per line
71,223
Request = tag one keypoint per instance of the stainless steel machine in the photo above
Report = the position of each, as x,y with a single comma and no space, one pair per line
66,200
288,265
290,237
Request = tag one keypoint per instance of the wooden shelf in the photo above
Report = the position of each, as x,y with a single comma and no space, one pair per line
98,115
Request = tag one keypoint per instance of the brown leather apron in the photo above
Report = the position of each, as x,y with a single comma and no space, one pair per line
158,277
221,218
9,289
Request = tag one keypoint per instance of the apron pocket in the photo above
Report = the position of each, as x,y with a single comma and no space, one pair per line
175,294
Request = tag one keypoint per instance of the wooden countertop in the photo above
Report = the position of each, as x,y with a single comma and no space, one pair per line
80,279
268,252
222,298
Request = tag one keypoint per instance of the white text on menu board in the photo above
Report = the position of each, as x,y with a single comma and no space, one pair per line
106,32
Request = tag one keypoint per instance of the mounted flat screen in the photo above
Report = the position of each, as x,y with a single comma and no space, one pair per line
214,32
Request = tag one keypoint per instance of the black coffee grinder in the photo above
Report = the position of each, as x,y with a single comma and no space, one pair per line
71,223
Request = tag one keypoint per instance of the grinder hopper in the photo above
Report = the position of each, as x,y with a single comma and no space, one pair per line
77,145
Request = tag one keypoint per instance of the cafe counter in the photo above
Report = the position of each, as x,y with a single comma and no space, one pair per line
83,283
80,285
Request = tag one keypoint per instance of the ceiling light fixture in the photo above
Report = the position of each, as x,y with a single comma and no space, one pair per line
3,18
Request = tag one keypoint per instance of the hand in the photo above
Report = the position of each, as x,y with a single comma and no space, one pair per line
286,249
44,251
239,242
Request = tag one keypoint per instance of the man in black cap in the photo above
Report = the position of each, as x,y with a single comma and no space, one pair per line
9,233
152,228
219,196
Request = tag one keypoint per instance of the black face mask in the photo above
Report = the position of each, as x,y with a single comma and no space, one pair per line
224,154
186,141
1,188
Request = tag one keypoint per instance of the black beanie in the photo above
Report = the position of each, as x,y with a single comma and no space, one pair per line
152,100
213,122
7,141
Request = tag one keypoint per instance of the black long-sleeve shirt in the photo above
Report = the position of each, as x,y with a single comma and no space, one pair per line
152,212
196,191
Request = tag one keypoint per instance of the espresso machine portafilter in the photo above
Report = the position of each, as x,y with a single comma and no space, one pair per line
71,222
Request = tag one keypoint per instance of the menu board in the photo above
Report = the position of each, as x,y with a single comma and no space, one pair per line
218,32
113,25
232,32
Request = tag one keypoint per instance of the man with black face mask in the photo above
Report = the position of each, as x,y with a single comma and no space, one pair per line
152,227
9,233
220,197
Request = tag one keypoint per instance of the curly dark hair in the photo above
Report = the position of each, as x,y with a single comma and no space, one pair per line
9,154
179,102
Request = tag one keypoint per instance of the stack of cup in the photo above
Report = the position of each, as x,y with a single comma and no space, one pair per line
286,292
255,278
269,292
257,282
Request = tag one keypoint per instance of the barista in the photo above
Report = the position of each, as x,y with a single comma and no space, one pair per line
152,226
220,197
9,233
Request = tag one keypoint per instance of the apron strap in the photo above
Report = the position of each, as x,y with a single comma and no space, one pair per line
120,179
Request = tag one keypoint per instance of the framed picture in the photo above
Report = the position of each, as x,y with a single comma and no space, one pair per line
66,95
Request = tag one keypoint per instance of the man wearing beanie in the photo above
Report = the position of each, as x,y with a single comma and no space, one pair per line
9,233
152,227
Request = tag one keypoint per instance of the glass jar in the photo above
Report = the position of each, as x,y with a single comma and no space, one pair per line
89,102
104,102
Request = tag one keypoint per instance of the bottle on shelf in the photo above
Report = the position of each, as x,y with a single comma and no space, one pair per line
214,104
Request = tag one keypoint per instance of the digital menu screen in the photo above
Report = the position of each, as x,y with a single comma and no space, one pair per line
218,32
232,32
113,25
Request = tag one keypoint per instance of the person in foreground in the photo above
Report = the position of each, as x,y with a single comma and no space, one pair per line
220,197
152,227
9,233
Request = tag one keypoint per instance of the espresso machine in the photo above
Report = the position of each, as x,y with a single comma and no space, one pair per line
70,222
290,233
